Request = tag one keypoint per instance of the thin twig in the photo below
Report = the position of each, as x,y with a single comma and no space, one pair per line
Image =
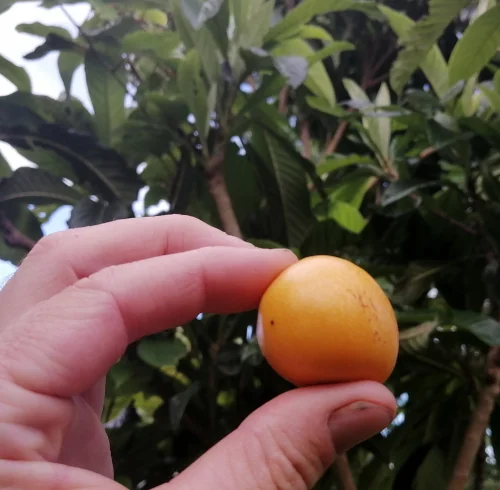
332,145
474,436
12,236
305,137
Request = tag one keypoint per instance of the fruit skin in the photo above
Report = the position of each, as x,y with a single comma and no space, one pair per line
326,320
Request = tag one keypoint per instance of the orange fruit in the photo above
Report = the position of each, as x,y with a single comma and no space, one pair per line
326,320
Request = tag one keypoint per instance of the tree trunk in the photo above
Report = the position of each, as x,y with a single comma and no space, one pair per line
474,436
12,236
219,191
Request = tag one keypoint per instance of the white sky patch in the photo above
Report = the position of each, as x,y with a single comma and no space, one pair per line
44,76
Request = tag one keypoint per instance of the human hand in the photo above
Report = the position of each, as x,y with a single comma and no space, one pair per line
78,300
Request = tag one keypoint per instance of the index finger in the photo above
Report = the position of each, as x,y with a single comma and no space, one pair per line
61,259
67,343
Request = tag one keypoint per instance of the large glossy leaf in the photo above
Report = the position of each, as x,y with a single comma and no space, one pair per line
433,63
291,183
476,47
420,39
102,168
107,88
34,186
15,74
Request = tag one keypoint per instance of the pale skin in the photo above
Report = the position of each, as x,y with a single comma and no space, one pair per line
77,301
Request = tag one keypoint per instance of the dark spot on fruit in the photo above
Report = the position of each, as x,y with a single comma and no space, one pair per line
272,322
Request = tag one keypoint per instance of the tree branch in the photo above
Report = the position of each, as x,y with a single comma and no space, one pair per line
305,137
474,436
12,236
344,473
219,191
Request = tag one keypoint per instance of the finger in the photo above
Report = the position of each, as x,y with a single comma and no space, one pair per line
73,339
20,475
292,440
59,260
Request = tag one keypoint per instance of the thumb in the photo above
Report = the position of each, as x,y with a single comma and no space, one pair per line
292,440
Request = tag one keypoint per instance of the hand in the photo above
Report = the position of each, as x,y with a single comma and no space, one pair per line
78,300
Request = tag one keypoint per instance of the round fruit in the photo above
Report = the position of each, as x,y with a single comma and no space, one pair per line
326,320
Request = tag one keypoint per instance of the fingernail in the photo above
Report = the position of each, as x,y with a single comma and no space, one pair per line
357,422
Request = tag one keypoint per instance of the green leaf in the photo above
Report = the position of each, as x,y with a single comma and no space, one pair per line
316,32
34,186
353,188
293,68
347,216
107,89
291,183
333,163
192,86
179,402
476,47
483,327
329,50
431,474
416,339
88,212
378,128
103,169
53,42
162,352
43,30
305,11
199,11
419,40
5,169
492,96
201,40
68,62
318,81
159,44
401,189
15,74
253,20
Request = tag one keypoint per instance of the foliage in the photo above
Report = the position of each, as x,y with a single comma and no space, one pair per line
346,127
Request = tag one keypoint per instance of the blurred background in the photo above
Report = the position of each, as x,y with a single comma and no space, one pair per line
363,129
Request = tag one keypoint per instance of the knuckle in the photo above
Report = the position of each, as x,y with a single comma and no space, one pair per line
48,244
